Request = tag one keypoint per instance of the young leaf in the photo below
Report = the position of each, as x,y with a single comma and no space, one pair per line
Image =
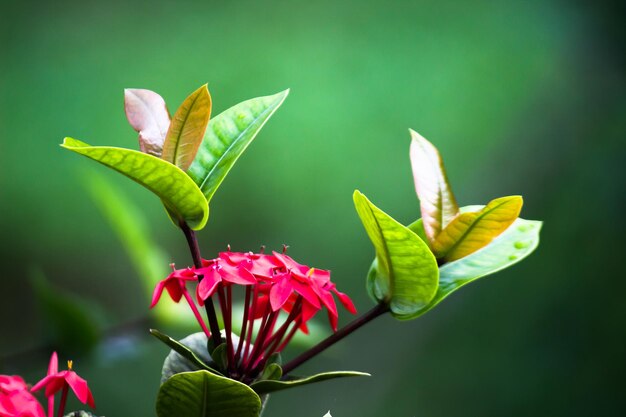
187,129
147,114
471,231
406,273
203,394
180,195
513,245
437,202
227,136
268,386
272,372
185,352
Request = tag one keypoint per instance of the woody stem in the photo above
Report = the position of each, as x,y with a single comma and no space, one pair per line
197,261
378,310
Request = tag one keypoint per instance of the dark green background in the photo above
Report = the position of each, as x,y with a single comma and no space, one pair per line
520,97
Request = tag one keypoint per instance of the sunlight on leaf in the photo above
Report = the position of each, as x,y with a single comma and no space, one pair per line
405,275
437,202
471,231
147,114
227,137
177,191
187,129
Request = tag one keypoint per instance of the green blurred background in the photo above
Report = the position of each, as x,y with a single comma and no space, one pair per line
520,97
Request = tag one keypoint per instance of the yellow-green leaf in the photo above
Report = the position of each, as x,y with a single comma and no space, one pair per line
471,231
437,202
187,129
180,195
406,275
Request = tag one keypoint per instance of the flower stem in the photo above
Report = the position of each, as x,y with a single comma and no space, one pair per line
197,261
63,400
378,310
196,313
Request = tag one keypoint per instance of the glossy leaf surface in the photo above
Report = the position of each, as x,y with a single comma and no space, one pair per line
147,114
227,136
180,195
437,202
513,245
203,394
269,386
471,231
190,354
187,129
406,273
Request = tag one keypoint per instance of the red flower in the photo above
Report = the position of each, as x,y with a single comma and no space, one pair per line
16,400
174,284
217,271
55,381
273,283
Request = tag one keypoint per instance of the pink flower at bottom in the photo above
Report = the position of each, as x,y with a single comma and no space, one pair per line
16,400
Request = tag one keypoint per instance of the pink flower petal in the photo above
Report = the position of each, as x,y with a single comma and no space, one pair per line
80,388
280,292
345,301
208,285
236,275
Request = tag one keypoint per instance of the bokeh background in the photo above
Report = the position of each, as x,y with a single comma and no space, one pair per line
520,97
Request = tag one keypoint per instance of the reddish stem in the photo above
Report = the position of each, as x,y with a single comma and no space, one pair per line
197,261
61,412
196,313
244,324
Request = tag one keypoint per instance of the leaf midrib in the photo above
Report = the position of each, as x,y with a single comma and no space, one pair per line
471,227
180,134
229,147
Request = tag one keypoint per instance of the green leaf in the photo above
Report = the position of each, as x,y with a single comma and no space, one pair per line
471,231
183,356
227,136
268,386
406,274
72,323
147,114
187,129
220,356
177,191
513,245
203,394
437,202
272,371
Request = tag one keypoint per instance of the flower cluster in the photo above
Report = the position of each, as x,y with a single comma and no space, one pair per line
16,399
273,284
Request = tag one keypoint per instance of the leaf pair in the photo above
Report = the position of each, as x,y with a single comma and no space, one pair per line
192,387
183,161
471,242
450,234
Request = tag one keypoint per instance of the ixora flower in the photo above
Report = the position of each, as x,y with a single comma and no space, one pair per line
272,284
16,400
56,381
